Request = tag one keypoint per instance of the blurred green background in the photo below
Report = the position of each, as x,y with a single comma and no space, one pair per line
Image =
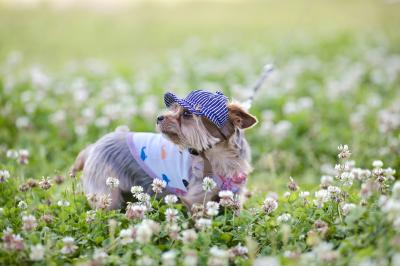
336,78
137,32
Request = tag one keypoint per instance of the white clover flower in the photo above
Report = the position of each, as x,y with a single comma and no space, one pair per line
360,174
344,152
326,180
63,203
45,183
4,175
171,215
37,252
203,223
290,254
339,168
208,184
347,178
29,222
168,258
226,198
112,182
23,156
155,227
377,164
173,230
158,185
226,194
135,211
144,233
292,185
285,217
188,236
321,196
143,197
104,201
273,195
218,256
270,205
22,205
347,207
391,207
333,190
126,236
69,245
90,216
286,194
12,241
99,255
263,261
170,199
304,194
382,200
351,164
389,173
324,252
212,208
238,251
190,258
12,154
145,261
135,190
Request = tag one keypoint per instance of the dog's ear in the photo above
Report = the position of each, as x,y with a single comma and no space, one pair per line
240,117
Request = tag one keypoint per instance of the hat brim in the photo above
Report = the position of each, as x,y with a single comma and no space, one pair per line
170,99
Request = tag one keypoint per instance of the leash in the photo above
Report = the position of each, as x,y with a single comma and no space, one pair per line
267,70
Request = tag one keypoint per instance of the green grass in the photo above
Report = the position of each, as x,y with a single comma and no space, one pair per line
146,31
336,82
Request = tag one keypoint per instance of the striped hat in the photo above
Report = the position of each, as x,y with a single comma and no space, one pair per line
204,103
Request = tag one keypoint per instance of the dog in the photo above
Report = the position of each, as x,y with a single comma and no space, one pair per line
201,135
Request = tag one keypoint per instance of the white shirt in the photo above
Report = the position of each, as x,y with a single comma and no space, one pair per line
162,159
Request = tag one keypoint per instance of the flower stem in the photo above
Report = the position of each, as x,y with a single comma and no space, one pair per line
340,214
204,200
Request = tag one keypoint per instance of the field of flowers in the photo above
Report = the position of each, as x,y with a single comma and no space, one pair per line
325,155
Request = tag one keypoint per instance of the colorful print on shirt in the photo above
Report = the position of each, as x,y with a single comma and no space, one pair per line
162,159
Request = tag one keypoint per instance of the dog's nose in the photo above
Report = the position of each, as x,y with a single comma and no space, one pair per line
160,118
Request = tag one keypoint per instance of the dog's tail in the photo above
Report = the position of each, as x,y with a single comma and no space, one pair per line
267,69
80,161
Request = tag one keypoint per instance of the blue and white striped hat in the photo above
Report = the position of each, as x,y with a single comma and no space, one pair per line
204,103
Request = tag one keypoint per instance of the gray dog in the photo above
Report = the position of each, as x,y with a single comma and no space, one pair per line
201,135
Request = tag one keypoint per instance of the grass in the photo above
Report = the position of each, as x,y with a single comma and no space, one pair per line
145,32
70,76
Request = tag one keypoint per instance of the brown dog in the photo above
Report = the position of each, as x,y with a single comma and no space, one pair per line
200,144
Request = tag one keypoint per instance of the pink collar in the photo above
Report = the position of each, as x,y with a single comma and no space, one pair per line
231,183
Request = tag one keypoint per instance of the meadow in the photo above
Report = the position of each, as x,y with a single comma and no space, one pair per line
325,151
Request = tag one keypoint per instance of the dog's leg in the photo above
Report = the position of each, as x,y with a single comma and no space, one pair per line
80,161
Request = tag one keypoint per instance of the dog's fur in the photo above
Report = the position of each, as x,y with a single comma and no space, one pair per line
225,149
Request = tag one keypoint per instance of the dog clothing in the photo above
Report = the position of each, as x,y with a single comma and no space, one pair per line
162,159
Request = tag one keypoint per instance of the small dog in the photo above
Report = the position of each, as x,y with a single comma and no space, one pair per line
201,135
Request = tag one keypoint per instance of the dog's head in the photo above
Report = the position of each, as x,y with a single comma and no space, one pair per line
189,130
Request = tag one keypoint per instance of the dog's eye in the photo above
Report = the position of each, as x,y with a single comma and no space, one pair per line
186,114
